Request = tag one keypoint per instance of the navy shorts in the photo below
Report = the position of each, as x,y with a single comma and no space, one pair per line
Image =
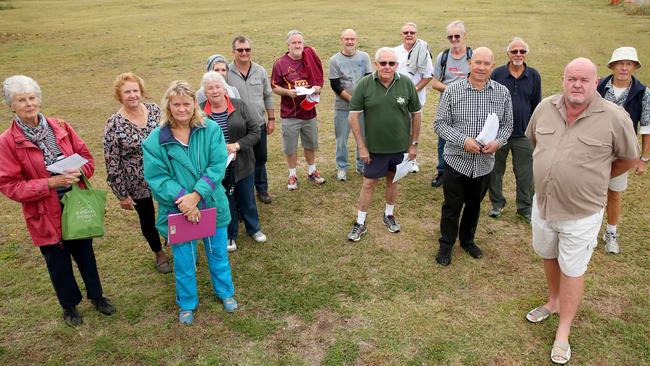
380,164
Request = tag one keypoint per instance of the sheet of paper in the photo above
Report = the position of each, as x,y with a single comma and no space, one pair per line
301,90
73,162
403,168
231,157
490,129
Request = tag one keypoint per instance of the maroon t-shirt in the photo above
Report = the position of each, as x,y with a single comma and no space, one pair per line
289,73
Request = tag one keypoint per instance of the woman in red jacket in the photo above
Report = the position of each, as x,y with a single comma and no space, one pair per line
27,147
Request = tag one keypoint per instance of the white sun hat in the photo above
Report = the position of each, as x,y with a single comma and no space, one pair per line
624,53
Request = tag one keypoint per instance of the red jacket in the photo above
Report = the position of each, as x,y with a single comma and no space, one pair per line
23,178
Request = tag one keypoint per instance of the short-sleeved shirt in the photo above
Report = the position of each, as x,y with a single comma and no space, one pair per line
387,112
526,93
456,69
289,74
349,70
572,164
402,59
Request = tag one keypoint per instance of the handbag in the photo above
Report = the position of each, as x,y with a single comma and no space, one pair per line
83,212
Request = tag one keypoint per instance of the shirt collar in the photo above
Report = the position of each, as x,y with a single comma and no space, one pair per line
375,75
468,85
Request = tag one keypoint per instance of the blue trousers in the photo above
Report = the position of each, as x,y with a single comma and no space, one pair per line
342,132
242,201
261,155
187,296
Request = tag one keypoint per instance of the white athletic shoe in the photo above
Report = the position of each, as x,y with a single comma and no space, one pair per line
341,175
611,243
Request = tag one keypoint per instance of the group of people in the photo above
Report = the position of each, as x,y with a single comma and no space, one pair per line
208,149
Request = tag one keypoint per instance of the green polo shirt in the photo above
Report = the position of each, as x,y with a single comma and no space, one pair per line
387,112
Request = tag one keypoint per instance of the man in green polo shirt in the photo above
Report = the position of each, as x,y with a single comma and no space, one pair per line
392,114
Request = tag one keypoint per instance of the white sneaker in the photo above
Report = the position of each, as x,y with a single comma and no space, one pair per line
232,245
611,243
292,184
415,167
341,175
259,237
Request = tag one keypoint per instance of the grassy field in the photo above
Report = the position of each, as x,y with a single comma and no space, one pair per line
307,296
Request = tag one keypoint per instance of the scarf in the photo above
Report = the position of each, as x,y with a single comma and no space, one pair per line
43,137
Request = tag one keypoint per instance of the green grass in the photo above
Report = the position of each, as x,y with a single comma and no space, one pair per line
307,297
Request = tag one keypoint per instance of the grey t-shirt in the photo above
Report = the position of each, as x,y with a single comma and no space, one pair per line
456,69
348,69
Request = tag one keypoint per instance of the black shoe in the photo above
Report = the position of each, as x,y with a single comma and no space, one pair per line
444,256
72,317
473,250
437,181
265,197
103,306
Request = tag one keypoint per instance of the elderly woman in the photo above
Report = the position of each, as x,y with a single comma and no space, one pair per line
184,161
241,133
219,64
125,130
622,88
27,147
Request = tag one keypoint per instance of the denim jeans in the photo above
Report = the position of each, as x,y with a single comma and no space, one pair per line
261,154
242,201
342,132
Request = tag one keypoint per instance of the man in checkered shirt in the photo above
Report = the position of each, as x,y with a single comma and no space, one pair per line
462,112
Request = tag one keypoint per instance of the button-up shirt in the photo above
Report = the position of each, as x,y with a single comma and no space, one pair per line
525,91
462,112
572,164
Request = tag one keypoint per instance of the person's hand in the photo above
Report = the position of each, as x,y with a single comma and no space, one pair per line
292,93
317,89
472,146
127,203
270,126
413,152
490,148
64,180
364,155
194,215
232,148
188,202
641,167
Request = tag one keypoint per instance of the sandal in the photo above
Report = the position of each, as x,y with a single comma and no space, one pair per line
561,352
163,267
538,314
186,317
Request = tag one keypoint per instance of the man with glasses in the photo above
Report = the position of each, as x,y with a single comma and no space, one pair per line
252,82
462,113
525,86
346,68
299,69
393,115
415,62
451,65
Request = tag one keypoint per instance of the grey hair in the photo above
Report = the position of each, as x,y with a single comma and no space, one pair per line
211,76
294,32
19,84
349,30
385,49
241,39
456,24
410,24
515,40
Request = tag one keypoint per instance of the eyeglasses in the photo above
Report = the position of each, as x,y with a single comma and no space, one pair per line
389,63
406,33
242,50
453,36
521,52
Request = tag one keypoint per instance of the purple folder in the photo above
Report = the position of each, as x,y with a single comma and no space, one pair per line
180,230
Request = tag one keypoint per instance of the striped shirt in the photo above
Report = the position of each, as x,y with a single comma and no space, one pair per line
222,120
462,112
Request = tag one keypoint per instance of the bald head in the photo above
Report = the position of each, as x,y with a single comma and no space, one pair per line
581,63
484,52
480,67
579,82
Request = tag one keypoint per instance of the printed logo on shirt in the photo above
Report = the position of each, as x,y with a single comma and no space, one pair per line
456,71
401,100
303,83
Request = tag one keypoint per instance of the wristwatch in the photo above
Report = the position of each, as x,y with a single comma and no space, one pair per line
644,159
414,143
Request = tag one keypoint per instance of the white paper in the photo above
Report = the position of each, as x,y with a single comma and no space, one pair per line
231,157
489,131
72,162
301,90
403,168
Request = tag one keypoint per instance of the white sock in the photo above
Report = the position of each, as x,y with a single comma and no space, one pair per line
389,209
611,229
292,171
311,168
361,217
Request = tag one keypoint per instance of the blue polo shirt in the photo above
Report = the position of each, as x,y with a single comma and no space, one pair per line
526,93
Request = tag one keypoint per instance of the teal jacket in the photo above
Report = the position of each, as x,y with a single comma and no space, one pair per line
173,170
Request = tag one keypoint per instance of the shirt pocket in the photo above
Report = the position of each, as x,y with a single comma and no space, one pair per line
593,150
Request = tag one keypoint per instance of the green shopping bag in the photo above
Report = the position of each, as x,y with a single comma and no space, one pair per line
83,212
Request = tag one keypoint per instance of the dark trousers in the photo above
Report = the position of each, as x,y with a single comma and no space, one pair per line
441,160
242,201
522,166
59,265
147,215
260,151
465,194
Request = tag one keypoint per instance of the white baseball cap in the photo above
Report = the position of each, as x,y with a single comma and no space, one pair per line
624,53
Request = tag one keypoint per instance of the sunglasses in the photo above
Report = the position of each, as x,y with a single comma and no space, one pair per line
521,52
406,33
453,36
242,50
389,63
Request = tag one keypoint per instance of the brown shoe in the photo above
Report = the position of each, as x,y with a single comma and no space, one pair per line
265,197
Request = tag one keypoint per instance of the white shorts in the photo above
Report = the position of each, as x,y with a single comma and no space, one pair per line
618,184
570,241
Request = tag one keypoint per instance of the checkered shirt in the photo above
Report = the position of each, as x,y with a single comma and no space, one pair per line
461,113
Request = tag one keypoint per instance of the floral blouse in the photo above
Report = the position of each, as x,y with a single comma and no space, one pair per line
123,153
